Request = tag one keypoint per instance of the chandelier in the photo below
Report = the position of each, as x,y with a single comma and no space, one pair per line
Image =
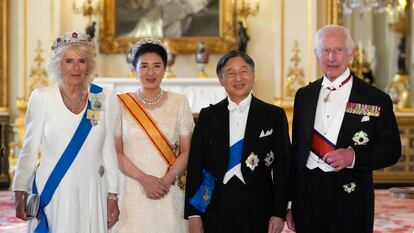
376,6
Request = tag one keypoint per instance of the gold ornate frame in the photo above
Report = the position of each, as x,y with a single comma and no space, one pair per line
3,57
110,43
332,11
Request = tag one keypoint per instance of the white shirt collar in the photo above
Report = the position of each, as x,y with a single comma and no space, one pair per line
241,106
337,82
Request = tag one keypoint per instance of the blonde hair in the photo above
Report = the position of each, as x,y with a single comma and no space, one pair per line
53,65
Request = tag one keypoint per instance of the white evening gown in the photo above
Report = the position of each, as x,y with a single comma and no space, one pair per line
79,202
138,213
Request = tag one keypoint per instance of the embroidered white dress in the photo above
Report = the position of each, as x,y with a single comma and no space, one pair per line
140,214
79,202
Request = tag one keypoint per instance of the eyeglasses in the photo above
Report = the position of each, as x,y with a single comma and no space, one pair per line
334,51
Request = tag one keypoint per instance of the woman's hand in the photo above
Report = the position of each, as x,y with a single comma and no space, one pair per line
169,177
20,205
155,188
113,210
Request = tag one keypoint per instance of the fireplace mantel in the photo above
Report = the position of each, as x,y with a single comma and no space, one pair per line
200,92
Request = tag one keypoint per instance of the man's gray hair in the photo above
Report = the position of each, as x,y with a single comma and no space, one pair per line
349,43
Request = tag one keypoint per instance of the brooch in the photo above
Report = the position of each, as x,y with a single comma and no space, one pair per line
97,105
360,138
101,170
349,187
252,161
269,158
363,109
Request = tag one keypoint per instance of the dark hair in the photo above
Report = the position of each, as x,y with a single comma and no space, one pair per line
150,48
234,53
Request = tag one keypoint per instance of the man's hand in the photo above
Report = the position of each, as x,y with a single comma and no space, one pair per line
195,225
289,220
113,212
276,225
340,159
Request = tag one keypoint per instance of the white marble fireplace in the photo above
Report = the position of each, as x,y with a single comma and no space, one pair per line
200,92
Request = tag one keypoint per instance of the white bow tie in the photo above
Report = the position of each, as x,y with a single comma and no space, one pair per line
233,107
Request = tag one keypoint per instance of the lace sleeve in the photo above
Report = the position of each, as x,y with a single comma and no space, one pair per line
186,120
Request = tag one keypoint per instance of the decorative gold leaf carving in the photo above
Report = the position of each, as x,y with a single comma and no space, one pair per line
295,75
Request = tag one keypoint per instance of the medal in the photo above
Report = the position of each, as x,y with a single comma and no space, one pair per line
252,161
326,99
331,89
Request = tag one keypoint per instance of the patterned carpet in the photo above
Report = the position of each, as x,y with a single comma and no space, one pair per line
8,222
392,215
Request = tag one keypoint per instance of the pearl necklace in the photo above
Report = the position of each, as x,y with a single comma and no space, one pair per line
149,101
73,105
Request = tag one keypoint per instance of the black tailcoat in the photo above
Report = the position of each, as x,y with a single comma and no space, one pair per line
264,194
354,211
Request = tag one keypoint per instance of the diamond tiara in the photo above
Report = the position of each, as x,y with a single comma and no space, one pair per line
74,37
145,41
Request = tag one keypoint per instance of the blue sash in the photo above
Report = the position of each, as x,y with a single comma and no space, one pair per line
202,197
236,151
62,166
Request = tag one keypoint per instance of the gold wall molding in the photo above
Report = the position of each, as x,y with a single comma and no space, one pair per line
309,42
38,78
4,107
287,81
279,101
295,74
403,171
38,75
24,36
332,11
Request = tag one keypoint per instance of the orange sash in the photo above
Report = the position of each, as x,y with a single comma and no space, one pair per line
143,119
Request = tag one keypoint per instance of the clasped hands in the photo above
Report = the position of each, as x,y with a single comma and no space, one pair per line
340,158
156,188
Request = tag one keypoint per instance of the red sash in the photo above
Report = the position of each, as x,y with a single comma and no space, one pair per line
321,145
143,119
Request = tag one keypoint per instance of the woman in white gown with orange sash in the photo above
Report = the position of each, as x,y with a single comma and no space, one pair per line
152,142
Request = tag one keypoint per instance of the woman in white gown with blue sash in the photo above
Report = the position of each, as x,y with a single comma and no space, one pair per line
74,123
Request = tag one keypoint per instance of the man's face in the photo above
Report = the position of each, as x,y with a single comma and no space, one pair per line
237,78
333,55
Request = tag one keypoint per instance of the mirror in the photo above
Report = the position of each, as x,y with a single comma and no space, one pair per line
382,36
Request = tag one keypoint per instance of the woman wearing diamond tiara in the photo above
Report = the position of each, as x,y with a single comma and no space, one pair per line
153,142
77,176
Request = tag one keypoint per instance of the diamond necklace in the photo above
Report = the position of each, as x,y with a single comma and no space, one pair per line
72,105
149,101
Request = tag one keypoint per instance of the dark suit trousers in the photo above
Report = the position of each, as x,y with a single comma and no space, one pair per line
319,208
233,210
